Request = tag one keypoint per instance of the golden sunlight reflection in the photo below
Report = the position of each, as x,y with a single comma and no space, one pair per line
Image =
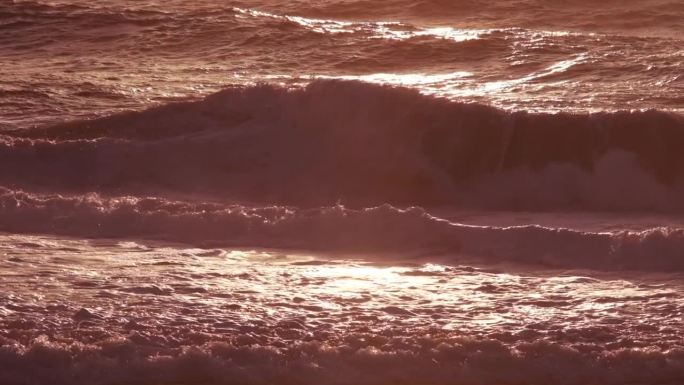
463,85
281,297
390,30
411,79
272,284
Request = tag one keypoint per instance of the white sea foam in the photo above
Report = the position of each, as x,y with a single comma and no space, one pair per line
387,232
111,312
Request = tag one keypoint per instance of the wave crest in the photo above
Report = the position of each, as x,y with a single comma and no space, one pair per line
384,231
363,144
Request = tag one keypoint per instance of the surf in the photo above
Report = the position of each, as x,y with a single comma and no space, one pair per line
383,233
361,144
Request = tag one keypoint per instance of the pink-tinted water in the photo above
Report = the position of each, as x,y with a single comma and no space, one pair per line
341,192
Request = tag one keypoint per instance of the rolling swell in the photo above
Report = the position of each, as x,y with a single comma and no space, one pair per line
364,145
653,16
99,29
383,231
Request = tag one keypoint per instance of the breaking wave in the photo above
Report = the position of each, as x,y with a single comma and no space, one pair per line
432,359
360,144
383,230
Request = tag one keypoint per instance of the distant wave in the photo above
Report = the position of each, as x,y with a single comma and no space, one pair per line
383,231
181,50
661,16
21,14
119,27
652,16
361,144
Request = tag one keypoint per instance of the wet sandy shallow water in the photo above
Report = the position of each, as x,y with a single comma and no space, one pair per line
110,312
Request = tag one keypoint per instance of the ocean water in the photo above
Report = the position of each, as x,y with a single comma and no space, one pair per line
341,192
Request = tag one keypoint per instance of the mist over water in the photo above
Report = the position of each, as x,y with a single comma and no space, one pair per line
341,192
